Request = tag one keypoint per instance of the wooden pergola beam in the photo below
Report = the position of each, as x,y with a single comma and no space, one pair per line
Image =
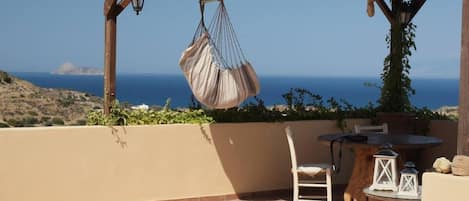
386,11
121,6
416,6
111,7
108,6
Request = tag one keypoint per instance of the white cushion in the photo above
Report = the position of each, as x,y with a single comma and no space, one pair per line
312,169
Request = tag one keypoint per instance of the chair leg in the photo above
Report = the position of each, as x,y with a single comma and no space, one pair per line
296,190
329,184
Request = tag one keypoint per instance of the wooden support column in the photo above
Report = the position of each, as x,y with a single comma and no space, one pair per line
396,53
463,124
111,11
110,62
109,54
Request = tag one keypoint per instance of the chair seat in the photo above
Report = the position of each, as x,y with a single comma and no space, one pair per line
312,169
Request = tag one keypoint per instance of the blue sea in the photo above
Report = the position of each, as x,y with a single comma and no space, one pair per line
153,89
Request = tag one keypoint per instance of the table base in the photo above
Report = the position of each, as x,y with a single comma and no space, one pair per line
361,177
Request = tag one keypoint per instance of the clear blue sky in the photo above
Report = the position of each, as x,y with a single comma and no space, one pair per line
296,37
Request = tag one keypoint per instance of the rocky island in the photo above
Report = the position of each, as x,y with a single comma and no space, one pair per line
70,69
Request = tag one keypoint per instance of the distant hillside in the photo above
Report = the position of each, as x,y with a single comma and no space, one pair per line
24,104
70,69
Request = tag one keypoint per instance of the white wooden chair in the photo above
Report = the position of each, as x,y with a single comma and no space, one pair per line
310,170
383,129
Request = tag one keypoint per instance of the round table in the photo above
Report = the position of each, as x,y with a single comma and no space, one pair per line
390,196
362,173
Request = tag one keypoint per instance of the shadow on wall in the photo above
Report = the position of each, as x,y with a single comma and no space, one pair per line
448,132
255,156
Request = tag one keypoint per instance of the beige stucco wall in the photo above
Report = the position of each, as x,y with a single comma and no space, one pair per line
448,132
141,163
440,187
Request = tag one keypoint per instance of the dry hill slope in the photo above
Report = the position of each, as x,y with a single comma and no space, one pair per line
24,104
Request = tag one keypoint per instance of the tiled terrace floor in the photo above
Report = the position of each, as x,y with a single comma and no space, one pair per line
338,195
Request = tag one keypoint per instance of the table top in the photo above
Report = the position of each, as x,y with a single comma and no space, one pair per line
397,140
384,195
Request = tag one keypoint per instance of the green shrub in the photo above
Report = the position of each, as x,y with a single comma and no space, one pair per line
57,121
120,115
32,113
66,101
45,119
30,120
4,125
15,123
4,77
7,80
81,122
47,123
300,105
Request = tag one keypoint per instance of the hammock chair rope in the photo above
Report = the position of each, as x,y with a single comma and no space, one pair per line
214,64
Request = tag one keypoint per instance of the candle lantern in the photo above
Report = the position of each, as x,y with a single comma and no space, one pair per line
409,182
385,173
137,5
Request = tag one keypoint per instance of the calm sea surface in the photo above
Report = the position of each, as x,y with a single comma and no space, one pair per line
155,89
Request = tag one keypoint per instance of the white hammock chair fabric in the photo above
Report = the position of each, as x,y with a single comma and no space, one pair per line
214,65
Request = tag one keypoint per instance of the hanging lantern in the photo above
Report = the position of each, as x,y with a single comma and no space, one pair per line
385,173
406,12
137,5
409,183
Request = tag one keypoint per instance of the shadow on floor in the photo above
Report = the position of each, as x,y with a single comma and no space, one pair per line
338,195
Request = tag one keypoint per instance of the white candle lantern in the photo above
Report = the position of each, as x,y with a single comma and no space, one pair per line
385,172
409,182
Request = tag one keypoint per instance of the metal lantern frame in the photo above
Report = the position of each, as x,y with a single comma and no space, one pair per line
385,170
138,5
406,12
409,183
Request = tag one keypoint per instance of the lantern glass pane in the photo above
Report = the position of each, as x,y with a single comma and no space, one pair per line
384,172
137,5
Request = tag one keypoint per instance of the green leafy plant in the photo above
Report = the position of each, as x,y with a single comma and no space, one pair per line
5,78
300,104
66,101
15,123
396,87
121,115
4,125
57,121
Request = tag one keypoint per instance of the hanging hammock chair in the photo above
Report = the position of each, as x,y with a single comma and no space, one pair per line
214,65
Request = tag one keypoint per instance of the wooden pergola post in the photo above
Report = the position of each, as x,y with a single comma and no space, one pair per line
463,124
392,92
111,10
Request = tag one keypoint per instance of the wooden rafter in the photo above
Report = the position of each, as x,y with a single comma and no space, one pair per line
386,11
111,7
121,6
416,5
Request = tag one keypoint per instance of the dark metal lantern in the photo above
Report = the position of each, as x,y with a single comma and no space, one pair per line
406,12
137,5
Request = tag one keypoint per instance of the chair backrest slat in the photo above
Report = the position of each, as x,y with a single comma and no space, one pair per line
383,129
291,146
